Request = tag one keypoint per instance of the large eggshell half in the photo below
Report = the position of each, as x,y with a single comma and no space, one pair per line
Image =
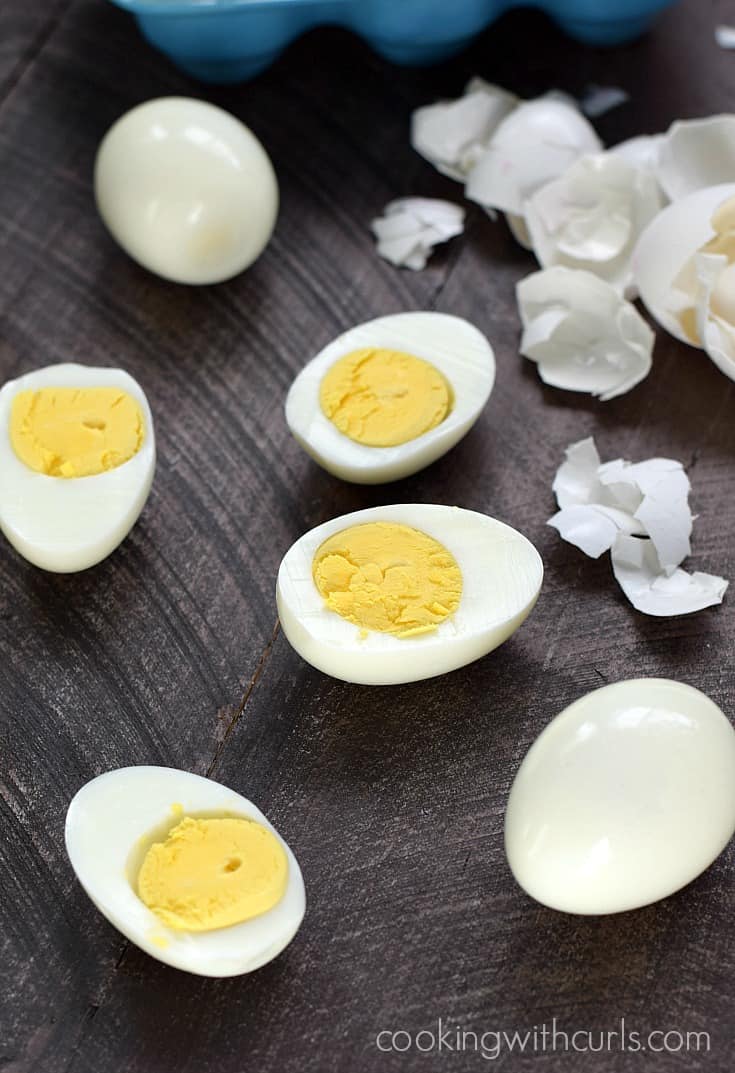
666,245
453,346
501,571
625,797
109,826
64,525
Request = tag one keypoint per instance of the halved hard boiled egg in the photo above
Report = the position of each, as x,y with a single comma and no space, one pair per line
388,397
188,870
399,593
77,455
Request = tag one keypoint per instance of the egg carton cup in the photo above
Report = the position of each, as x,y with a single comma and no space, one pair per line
233,40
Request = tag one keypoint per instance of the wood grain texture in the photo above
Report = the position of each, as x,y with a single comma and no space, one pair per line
392,798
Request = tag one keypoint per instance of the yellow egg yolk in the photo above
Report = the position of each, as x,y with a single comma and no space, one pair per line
212,873
382,398
723,298
388,577
75,432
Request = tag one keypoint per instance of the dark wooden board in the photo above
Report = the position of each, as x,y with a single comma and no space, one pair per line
168,652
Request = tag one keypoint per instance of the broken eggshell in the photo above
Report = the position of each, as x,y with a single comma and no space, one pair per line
582,334
451,135
666,247
535,143
410,227
591,217
638,571
695,154
612,505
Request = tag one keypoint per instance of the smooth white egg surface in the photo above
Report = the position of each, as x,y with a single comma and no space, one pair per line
67,524
501,578
663,249
455,348
625,797
186,189
111,823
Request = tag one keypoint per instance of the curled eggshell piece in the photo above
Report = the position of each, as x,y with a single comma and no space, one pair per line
653,591
410,227
697,153
583,335
538,141
591,217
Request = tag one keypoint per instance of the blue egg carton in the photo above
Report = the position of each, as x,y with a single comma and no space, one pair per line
232,40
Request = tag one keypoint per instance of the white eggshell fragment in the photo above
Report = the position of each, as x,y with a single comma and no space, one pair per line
591,217
501,571
451,135
661,592
453,346
697,153
725,36
186,189
535,143
69,524
610,506
410,227
599,100
641,151
111,823
582,334
668,243
624,798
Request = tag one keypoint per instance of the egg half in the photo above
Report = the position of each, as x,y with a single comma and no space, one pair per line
389,397
400,593
186,189
69,419
118,823
625,797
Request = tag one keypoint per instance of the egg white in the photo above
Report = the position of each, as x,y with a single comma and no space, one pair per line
67,524
453,346
625,796
110,824
501,572
186,189
666,245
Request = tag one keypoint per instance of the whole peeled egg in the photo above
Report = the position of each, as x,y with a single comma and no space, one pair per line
186,189
388,397
190,871
77,457
404,592
625,797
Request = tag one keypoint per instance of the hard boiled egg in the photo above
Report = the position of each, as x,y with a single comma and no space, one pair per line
77,455
186,189
400,593
625,797
388,397
168,856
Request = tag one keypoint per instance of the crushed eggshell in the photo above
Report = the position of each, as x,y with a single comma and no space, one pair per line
598,100
410,227
696,153
535,143
451,135
592,216
637,570
640,513
582,334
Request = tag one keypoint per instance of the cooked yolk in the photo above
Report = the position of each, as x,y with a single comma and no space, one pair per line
381,398
75,432
388,577
212,873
